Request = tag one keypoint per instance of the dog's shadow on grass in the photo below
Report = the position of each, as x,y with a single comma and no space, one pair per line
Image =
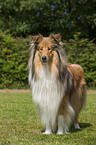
82,126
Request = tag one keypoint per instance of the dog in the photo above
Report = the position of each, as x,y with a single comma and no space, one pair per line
58,87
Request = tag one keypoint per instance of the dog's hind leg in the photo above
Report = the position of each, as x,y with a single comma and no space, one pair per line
76,124
80,103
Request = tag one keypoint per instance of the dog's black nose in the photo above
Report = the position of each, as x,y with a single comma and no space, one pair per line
44,58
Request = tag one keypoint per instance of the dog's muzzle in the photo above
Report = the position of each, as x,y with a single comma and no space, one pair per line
44,59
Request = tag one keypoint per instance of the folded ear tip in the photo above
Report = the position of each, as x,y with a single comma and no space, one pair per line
37,37
40,35
56,36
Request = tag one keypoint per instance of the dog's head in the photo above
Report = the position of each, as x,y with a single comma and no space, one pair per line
47,51
45,46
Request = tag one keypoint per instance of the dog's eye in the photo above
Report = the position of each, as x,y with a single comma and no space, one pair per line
41,49
49,49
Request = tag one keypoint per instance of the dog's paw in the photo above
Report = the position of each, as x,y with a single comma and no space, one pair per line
62,132
59,132
76,125
47,132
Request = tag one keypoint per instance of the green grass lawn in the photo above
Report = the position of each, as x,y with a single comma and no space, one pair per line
20,124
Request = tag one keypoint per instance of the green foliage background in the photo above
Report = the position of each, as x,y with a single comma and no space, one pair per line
14,55
22,17
83,52
13,61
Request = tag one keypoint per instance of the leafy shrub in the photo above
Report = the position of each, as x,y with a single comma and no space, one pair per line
83,52
14,55
13,61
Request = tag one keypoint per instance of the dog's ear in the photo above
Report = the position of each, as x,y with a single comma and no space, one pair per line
37,38
56,37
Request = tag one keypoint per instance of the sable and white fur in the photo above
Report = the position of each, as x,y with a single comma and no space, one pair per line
58,88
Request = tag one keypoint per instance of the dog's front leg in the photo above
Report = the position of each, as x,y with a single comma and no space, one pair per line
48,129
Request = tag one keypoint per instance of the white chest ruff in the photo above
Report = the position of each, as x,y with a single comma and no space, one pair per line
47,94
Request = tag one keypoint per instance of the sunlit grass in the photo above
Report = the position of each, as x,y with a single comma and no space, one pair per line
20,124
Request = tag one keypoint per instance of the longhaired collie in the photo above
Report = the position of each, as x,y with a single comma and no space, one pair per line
58,88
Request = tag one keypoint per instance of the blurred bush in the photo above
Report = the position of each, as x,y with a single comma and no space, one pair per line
82,52
14,55
13,61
